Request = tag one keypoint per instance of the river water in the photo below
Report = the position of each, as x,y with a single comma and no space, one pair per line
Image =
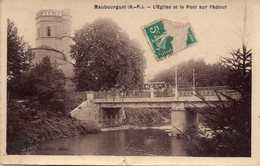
149,142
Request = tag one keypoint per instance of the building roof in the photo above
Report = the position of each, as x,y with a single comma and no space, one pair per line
45,47
48,48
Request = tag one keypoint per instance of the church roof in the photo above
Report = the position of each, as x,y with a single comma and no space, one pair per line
45,47
48,48
67,67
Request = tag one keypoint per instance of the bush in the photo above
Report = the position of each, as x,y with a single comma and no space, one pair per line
228,137
73,99
143,116
198,142
27,127
44,83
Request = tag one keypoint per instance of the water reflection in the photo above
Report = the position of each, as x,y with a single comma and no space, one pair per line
131,143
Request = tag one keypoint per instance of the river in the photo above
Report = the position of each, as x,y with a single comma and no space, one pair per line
149,142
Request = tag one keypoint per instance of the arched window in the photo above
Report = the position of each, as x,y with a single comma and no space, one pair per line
48,31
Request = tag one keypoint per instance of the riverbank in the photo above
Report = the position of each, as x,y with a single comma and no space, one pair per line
33,127
26,127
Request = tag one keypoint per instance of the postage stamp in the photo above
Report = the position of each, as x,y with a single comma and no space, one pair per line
166,37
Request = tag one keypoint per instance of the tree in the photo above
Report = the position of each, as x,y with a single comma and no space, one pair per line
106,57
205,74
47,82
240,70
230,123
19,56
240,79
43,83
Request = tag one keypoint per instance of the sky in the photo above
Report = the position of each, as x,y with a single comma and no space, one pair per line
217,30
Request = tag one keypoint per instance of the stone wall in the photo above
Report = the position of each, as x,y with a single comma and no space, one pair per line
86,112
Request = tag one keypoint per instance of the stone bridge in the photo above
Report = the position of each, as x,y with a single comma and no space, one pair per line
108,106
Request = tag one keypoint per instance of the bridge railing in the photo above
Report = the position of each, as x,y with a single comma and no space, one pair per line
210,91
166,92
186,91
122,94
136,94
205,91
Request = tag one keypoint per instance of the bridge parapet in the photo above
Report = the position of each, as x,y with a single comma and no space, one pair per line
162,93
90,95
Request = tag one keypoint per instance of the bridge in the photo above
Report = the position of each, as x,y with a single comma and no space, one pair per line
108,107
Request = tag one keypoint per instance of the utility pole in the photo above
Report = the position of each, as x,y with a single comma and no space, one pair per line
194,81
176,82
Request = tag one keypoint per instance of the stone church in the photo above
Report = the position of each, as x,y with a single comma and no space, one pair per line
53,39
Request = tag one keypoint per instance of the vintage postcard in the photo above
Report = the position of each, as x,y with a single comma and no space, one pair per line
130,82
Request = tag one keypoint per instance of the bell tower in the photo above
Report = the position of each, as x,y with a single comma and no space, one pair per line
53,38
53,29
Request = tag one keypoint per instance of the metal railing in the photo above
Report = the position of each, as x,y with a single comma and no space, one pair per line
122,94
204,91
168,92
165,92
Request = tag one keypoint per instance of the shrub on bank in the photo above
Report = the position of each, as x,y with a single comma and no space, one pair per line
27,127
229,128
143,117
73,99
199,143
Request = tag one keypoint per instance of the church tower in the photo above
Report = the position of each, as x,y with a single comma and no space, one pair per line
53,38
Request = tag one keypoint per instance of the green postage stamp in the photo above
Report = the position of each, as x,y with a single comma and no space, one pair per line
166,37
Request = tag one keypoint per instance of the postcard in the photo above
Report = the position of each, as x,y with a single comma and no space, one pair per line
130,82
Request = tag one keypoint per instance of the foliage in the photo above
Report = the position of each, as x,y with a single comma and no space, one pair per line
198,143
19,55
229,123
27,126
106,57
205,74
143,116
44,83
41,82
73,99
227,136
48,82
240,68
